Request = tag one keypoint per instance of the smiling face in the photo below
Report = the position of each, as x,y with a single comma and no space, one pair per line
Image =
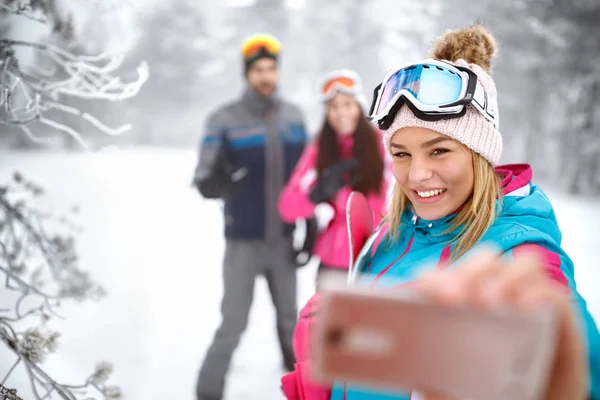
343,113
434,171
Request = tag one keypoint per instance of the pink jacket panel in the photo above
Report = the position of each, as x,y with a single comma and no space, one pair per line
299,385
332,244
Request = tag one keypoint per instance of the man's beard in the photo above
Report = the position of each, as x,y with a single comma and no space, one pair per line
265,89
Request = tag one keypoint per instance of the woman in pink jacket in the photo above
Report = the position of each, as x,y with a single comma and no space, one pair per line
346,155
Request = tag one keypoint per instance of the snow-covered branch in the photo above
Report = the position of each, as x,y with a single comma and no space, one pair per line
8,394
41,269
27,94
22,8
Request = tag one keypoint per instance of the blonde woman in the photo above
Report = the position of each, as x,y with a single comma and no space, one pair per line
440,122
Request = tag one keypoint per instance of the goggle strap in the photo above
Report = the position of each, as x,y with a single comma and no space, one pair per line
375,99
387,121
480,101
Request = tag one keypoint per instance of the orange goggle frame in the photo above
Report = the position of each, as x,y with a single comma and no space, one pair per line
255,44
341,82
345,81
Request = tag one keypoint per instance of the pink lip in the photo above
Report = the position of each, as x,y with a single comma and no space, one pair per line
428,200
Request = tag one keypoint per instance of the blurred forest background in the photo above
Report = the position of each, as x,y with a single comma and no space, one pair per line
547,69
133,80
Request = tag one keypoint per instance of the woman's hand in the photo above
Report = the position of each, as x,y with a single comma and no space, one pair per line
486,281
332,180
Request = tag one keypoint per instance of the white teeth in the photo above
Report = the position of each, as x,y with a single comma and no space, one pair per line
430,193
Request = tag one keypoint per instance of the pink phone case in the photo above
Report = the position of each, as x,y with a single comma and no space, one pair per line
394,341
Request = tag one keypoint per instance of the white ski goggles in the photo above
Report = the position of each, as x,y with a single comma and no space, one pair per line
344,81
434,89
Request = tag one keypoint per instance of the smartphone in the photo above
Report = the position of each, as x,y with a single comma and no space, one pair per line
395,341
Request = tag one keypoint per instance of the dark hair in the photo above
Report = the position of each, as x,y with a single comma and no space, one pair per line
366,148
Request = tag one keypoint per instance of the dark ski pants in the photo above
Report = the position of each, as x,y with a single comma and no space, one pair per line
245,260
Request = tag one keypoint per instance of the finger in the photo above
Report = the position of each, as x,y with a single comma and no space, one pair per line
516,278
569,368
430,285
570,377
477,275
455,286
543,293
479,263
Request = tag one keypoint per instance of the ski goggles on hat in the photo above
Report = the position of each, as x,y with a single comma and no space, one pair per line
260,43
344,81
434,90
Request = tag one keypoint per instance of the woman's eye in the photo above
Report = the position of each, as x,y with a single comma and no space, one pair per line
438,152
400,154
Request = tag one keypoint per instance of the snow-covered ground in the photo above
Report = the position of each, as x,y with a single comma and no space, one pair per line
157,248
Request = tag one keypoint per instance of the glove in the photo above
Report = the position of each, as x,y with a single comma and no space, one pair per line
331,180
303,255
225,178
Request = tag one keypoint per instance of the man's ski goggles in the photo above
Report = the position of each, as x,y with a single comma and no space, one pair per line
433,90
260,43
344,81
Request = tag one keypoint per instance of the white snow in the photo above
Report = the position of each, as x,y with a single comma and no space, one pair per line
157,248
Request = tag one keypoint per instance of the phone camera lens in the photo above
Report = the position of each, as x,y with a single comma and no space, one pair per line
334,336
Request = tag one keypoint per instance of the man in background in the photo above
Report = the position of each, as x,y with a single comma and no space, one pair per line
248,151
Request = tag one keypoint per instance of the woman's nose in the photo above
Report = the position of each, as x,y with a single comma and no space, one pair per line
420,170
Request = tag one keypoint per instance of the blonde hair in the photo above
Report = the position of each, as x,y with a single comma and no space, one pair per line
473,219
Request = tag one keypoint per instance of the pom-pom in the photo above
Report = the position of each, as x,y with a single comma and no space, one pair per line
475,45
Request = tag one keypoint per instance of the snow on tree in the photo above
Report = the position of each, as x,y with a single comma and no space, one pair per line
39,266
33,87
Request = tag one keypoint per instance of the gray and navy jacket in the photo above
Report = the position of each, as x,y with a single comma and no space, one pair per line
266,136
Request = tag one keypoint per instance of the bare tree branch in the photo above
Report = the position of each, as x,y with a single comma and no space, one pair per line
28,94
